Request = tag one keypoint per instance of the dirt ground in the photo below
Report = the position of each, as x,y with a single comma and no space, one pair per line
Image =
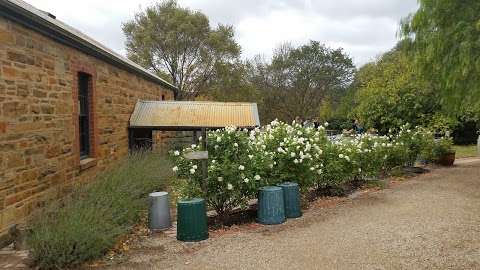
427,222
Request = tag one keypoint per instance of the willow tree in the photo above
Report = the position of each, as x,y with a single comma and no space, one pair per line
445,40
180,44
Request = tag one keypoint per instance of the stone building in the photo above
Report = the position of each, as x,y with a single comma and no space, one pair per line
65,103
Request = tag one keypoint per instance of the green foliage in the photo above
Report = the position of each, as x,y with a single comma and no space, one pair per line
441,123
444,40
417,142
339,123
442,147
241,161
298,79
390,94
167,38
326,110
468,127
230,84
232,172
89,222
294,150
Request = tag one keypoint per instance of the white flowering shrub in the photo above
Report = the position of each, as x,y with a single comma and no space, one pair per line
241,161
291,153
417,142
335,166
370,154
234,171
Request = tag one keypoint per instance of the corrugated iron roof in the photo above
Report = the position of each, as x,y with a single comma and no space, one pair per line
193,115
47,24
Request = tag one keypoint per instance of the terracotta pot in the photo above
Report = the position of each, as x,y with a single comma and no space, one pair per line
447,159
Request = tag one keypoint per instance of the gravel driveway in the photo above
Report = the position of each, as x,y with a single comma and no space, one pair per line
428,222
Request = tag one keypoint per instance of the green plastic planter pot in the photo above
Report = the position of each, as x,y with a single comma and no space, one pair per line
271,208
192,220
291,198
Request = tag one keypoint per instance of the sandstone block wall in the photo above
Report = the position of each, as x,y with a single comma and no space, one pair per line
39,156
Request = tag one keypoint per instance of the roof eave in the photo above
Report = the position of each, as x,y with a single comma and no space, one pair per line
30,20
184,128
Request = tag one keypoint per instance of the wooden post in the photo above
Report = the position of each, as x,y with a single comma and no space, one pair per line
204,161
202,156
194,137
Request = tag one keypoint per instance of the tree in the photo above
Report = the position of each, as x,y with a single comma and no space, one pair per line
169,39
390,94
230,83
326,111
298,79
444,36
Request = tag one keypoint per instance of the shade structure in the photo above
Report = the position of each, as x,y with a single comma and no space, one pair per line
193,115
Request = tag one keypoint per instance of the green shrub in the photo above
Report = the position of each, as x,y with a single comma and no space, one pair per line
241,161
418,143
339,123
442,147
336,166
232,179
296,153
90,221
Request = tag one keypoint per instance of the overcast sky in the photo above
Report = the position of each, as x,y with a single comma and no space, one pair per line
364,28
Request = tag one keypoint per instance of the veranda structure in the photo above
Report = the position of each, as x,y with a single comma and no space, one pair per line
195,116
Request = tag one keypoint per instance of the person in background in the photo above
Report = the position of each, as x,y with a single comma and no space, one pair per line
316,122
298,120
354,125
308,123
357,127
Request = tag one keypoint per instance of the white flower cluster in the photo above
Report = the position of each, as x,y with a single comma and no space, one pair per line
241,161
280,149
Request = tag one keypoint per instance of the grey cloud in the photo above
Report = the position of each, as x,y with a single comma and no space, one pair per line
364,28
232,10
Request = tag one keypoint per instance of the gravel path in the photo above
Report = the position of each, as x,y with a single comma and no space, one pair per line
428,222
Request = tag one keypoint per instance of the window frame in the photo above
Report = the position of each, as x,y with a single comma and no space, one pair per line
84,99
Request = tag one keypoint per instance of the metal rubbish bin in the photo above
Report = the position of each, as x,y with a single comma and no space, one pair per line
159,214
271,208
291,198
192,220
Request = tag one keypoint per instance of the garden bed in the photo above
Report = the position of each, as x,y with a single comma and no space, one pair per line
242,161
96,216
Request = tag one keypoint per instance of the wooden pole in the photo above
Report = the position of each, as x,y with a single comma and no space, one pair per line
204,161
194,137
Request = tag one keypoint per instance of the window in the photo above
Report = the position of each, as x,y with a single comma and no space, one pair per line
163,97
84,113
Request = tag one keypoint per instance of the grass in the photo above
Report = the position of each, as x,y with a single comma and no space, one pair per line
463,151
89,222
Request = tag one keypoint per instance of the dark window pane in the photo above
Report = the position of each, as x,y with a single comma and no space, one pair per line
84,114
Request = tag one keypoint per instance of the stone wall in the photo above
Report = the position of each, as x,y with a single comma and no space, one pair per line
170,140
39,157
